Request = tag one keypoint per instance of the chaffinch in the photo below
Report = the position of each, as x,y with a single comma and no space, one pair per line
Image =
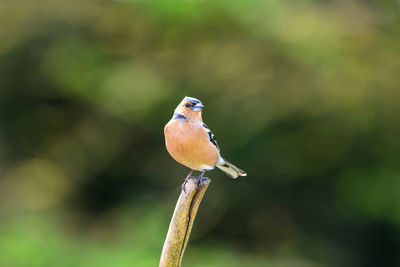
191,143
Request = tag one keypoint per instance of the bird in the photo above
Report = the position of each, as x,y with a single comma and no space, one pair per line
191,143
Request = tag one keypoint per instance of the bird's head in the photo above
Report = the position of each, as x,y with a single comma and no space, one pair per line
190,107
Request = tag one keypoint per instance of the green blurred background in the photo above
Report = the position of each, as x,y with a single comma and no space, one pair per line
303,95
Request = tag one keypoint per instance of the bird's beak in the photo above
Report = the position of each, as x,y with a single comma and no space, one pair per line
197,107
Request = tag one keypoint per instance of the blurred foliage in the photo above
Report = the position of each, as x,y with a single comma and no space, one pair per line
303,95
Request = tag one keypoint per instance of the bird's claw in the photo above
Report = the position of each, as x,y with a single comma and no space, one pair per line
199,181
184,185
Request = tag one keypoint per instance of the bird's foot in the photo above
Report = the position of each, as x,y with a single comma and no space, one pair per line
184,183
199,181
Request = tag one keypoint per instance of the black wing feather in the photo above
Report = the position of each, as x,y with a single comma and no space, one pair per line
211,136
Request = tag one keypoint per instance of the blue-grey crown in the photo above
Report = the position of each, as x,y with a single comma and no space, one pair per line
192,100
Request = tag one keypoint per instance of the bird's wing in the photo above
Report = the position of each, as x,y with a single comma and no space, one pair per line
211,136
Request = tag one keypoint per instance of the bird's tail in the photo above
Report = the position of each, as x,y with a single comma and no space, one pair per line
230,169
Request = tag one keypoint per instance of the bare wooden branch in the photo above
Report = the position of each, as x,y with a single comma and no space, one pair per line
181,224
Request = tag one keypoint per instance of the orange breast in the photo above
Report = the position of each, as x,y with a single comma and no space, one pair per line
187,142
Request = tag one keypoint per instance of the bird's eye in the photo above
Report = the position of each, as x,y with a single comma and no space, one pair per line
187,105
